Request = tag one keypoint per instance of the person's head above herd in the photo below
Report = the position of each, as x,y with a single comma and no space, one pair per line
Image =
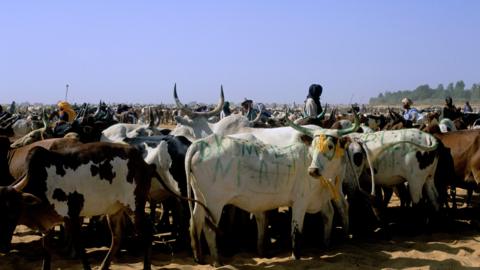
247,103
406,102
315,91
448,101
193,114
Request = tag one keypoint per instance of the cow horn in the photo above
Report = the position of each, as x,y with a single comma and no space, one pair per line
20,185
191,113
179,104
152,119
298,128
356,125
44,118
257,118
217,109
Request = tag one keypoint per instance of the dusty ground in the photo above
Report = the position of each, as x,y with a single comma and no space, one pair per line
454,244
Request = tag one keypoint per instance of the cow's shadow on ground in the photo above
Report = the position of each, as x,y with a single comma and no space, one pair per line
238,241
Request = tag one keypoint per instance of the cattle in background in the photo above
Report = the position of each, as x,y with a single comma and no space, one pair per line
195,125
82,181
257,177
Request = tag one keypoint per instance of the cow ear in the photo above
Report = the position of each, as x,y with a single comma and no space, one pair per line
344,141
30,199
307,140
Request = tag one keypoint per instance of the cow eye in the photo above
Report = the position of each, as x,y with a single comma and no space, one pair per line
330,146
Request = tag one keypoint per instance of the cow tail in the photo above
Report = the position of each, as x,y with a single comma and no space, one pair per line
189,175
210,221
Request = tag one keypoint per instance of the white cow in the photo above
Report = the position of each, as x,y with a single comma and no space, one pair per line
397,156
257,177
195,125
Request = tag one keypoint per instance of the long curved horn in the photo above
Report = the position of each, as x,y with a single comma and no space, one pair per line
217,109
150,114
191,113
44,118
257,119
20,185
179,104
298,128
353,128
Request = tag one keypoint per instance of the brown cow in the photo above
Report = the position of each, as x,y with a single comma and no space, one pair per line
465,150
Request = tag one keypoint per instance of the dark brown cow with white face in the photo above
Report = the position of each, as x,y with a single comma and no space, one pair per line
80,181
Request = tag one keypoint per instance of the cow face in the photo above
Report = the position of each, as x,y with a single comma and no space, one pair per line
12,203
327,152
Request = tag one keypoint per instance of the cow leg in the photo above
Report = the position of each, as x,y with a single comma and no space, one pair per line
298,215
211,235
144,229
327,216
261,219
75,205
432,193
46,265
387,196
469,196
75,225
115,224
342,207
197,222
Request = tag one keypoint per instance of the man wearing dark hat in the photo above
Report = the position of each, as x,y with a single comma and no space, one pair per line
312,104
248,110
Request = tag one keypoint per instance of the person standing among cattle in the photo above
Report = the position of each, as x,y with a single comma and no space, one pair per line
467,108
312,103
449,110
65,112
409,113
248,110
225,110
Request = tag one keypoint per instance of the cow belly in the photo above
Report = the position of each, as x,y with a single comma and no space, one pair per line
401,164
100,188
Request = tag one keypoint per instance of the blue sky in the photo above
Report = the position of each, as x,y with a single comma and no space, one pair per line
134,51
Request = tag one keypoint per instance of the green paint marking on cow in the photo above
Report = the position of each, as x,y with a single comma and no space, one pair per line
220,169
263,171
218,142
204,146
239,169
249,149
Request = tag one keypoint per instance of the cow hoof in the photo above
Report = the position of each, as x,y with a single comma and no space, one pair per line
295,256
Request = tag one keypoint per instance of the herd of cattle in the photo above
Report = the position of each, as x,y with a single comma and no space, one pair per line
328,165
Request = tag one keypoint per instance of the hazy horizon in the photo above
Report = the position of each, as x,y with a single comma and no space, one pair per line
268,51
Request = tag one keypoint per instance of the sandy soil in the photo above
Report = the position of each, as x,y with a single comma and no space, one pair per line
449,244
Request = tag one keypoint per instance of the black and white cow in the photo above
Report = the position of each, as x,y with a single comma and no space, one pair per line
81,181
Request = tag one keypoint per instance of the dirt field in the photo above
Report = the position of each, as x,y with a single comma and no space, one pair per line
454,244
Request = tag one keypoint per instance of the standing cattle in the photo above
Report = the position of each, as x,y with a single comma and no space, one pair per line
391,158
195,125
464,146
82,181
257,177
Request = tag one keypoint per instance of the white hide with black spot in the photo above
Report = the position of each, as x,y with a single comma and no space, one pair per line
399,156
100,196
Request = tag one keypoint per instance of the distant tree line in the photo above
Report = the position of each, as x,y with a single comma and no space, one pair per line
424,94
